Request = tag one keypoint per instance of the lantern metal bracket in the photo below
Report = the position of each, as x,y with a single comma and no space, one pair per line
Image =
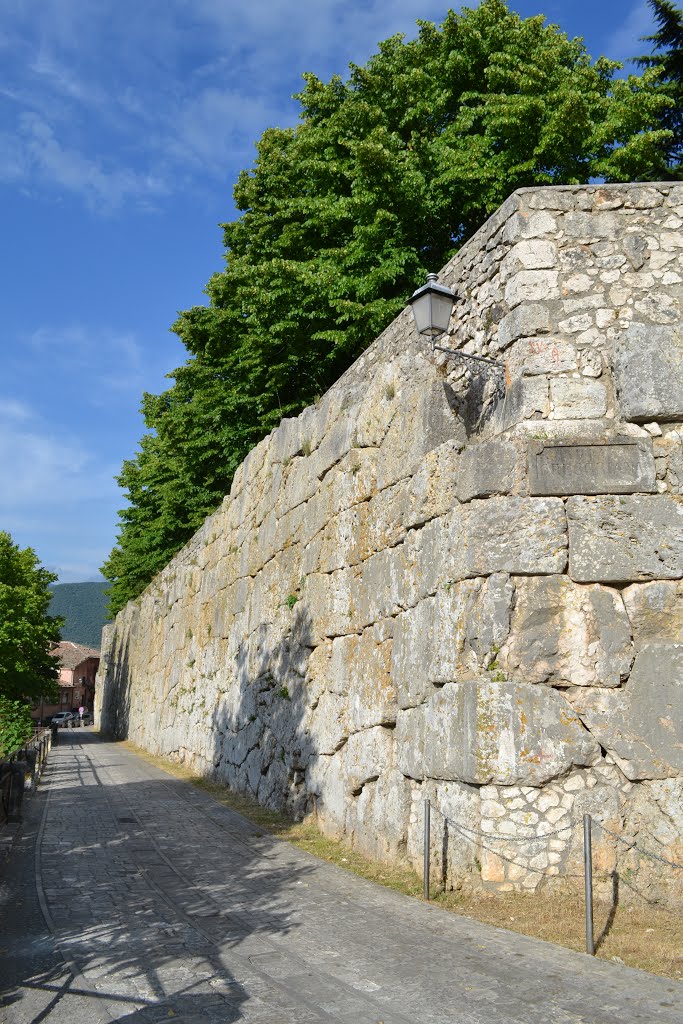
488,368
432,307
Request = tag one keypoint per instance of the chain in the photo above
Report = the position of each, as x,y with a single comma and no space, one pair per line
499,837
634,846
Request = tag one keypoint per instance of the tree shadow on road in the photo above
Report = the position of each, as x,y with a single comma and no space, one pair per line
156,893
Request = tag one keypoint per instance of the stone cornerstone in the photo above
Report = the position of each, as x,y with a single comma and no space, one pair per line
423,587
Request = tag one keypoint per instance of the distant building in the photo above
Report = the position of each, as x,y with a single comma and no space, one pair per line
77,670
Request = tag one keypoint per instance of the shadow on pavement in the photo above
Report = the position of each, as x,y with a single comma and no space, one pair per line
149,885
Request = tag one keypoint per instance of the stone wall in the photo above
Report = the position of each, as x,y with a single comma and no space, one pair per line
420,587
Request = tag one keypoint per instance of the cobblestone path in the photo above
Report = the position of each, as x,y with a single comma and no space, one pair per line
159,904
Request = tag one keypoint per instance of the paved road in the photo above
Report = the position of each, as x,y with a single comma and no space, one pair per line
132,897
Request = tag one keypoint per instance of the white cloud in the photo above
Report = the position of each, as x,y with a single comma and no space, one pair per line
106,359
14,411
625,38
122,103
70,169
47,471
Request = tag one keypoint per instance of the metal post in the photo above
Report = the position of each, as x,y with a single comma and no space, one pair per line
427,810
588,877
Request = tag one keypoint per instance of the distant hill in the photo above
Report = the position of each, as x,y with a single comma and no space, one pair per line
83,606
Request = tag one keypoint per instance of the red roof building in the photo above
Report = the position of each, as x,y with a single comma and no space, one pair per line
77,670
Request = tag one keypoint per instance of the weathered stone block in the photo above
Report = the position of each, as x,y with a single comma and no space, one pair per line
533,254
531,286
366,756
359,670
377,817
486,468
449,636
529,225
423,420
641,724
620,467
591,226
625,539
648,370
515,535
527,319
526,398
655,611
482,732
530,357
577,399
565,634
455,808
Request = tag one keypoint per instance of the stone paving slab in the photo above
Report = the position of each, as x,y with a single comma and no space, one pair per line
163,905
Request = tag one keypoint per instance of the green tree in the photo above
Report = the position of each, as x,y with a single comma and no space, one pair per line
28,672
16,725
384,177
667,60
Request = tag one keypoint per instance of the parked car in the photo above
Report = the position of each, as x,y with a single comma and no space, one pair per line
61,718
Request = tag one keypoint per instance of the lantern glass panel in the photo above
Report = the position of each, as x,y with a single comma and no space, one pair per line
432,312
422,313
441,313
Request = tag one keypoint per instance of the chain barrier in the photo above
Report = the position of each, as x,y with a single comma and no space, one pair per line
502,838
634,846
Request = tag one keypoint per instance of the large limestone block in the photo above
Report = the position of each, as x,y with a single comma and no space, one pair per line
530,357
484,732
515,535
625,539
533,254
325,783
641,724
366,756
377,817
648,370
359,669
424,419
655,611
531,286
580,399
655,816
566,634
335,443
485,469
327,724
449,636
507,534
384,587
431,492
454,822
526,398
524,321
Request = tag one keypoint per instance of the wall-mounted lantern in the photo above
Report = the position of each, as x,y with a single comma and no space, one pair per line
432,305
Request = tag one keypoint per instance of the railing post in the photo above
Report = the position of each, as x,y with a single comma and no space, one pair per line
16,792
427,824
588,880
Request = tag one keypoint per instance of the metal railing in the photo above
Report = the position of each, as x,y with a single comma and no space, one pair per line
20,771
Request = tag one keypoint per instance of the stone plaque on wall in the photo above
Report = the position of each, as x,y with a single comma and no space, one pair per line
625,466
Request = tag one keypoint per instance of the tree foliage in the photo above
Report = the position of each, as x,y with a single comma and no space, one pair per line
667,60
16,725
28,671
386,174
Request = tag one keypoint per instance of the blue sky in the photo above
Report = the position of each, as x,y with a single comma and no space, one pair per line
123,127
